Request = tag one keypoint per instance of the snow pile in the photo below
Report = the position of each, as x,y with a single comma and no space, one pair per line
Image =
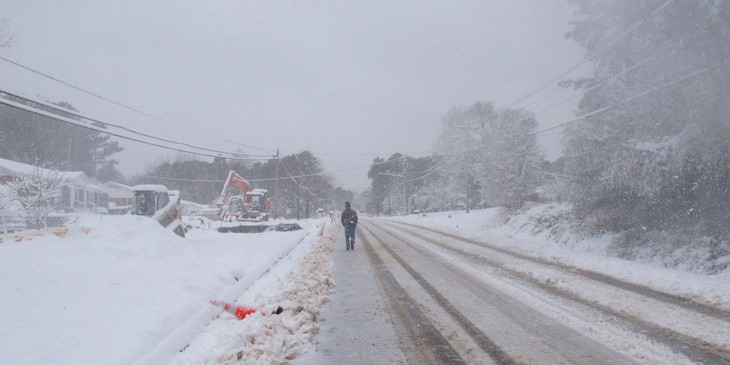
692,253
554,223
300,286
549,232
110,296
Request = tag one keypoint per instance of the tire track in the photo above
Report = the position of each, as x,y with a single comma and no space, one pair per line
556,342
431,346
683,302
486,344
694,348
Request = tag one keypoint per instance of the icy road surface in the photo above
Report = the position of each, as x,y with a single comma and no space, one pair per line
409,295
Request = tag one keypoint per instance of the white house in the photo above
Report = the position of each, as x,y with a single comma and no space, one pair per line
80,193
121,197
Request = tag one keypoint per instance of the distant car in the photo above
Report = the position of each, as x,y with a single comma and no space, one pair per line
11,221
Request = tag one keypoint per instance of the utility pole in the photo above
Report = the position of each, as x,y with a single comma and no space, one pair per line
276,183
408,203
405,185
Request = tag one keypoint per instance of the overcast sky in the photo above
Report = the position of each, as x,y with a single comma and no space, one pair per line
347,80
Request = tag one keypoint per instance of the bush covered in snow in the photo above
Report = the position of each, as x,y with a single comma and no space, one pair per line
553,221
687,250
684,251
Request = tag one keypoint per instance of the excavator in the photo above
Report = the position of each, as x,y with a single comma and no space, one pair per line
251,205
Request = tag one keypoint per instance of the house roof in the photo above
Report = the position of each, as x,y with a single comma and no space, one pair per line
17,169
14,168
117,190
116,185
150,187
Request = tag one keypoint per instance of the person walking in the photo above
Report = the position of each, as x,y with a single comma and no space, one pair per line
349,221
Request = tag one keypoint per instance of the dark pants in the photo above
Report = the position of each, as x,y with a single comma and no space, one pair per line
349,236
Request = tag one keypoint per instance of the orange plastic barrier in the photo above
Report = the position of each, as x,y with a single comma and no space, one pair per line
240,311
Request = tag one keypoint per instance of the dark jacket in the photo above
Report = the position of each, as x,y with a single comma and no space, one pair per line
349,217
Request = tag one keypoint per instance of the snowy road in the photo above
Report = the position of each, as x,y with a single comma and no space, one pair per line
415,295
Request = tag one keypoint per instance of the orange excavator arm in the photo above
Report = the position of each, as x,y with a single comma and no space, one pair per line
234,180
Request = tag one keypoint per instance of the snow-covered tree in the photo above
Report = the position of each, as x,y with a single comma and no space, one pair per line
37,193
491,150
304,186
658,156
385,176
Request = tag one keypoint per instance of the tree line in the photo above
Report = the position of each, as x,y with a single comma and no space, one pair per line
297,184
41,140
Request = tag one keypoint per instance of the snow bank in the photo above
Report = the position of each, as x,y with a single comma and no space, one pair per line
546,231
300,284
110,296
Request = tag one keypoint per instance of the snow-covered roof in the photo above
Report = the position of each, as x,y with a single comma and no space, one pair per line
95,188
18,169
117,190
14,168
77,178
116,185
150,187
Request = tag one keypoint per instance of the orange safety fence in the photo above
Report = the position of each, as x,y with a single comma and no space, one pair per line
28,235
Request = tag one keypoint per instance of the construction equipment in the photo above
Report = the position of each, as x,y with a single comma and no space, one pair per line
252,204
158,203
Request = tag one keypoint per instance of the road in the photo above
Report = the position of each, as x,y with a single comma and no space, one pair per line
414,295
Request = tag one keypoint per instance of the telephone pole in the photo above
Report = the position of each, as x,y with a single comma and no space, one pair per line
276,183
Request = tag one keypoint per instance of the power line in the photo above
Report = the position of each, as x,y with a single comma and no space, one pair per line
218,181
17,105
106,99
83,90
577,65
585,60
295,180
247,146
607,78
5,94
635,97
428,173
626,70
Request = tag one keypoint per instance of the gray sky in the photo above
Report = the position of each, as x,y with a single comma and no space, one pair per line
347,80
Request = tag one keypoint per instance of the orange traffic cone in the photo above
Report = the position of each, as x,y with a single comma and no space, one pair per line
239,311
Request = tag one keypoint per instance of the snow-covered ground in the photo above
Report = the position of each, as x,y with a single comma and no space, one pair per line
130,292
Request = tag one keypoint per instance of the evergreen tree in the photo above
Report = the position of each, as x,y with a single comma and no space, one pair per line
29,138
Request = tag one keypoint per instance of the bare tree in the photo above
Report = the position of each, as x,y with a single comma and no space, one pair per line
37,193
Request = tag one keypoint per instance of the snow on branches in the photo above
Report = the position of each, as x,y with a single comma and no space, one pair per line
37,194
